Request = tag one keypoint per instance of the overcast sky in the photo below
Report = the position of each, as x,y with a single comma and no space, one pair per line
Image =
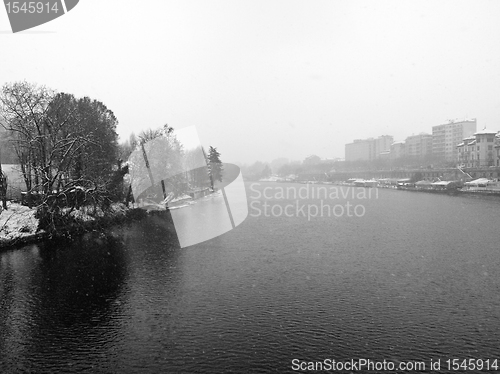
268,79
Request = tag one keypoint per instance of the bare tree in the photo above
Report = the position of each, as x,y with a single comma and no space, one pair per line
163,176
23,108
62,143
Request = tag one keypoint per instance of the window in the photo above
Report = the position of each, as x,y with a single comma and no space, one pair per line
490,148
478,148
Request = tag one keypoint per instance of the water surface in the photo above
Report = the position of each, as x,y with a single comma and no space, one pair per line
417,277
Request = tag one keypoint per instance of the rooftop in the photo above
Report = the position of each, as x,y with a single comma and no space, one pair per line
485,131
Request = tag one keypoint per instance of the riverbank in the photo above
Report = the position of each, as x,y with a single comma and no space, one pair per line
19,225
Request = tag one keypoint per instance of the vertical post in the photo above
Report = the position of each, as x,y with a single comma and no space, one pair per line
151,178
228,207
147,165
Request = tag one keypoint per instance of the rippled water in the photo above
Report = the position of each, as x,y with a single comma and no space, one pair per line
416,278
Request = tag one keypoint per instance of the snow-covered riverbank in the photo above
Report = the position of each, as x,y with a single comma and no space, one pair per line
18,224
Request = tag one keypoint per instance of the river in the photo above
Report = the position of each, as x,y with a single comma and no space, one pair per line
399,276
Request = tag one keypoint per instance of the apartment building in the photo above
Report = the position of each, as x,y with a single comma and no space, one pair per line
446,137
358,150
382,145
479,150
398,149
368,149
419,146
497,148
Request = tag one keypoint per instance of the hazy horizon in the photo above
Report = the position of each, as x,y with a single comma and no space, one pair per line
262,80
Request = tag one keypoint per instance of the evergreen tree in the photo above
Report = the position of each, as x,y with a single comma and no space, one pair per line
215,168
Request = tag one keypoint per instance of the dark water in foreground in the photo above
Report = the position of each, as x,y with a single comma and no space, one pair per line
416,278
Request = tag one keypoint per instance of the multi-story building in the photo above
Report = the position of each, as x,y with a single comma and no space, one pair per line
479,150
359,149
368,149
466,151
446,137
398,149
419,146
485,141
381,145
497,148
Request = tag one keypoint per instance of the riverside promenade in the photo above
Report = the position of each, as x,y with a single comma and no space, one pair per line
423,173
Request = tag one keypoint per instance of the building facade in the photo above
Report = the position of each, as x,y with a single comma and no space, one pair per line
479,150
497,148
381,146
485,142
446,137
368,149
358,150
466,151
398,150
419,146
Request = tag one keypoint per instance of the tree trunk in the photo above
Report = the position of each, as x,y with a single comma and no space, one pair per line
3,187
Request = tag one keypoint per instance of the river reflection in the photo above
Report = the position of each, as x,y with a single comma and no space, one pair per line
416,278
55,300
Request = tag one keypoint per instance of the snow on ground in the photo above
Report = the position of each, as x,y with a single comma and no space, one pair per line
17,221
